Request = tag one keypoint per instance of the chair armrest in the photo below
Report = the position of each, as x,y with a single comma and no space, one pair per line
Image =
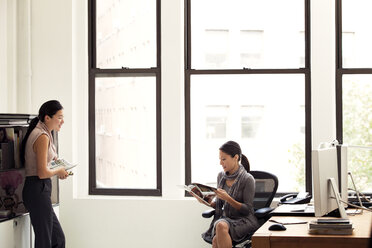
262,212
209,213
259,213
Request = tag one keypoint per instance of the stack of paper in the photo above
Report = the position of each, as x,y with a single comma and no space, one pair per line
331,226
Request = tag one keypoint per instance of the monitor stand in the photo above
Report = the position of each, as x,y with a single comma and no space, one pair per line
341,208
357,192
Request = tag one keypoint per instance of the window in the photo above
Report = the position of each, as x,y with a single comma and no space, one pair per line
118,42
354,88
124,97
247,78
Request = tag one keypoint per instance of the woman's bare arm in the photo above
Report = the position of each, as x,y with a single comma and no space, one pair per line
41,149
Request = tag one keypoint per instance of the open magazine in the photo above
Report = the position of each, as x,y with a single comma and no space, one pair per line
61,162
203,192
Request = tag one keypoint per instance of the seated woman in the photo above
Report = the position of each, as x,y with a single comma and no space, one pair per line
234,217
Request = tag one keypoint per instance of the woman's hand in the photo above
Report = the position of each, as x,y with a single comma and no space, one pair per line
207,199
197,197
222,194
62,173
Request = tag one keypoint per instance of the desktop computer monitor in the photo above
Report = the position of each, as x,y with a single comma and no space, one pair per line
326,193
343,172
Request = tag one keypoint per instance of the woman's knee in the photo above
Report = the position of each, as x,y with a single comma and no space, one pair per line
222,227
214,242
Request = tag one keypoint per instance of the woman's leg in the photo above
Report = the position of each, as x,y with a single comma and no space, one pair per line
58,237
42,224
222,235
37,201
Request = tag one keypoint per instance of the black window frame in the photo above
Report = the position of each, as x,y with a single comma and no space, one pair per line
340,71
94,73
189,71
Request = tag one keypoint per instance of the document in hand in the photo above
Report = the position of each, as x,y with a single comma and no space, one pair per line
61,162
203,192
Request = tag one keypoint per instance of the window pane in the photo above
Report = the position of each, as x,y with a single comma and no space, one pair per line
356,33
359,163
357,106
126,132
126,33
263,113
357,123
247,33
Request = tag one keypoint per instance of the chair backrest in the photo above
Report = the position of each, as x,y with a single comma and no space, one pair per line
266,186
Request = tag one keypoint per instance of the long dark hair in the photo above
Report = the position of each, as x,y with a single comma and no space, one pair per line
232,148
48,108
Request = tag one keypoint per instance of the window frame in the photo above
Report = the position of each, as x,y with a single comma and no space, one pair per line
94,73
340,71
189,71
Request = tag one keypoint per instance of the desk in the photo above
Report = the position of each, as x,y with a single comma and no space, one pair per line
296,235
287,210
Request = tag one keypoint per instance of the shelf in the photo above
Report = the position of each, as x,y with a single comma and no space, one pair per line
19,124
12,169
22,214
14,125
14,120
13,217
16,116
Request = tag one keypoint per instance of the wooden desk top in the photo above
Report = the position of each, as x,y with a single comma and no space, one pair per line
297,235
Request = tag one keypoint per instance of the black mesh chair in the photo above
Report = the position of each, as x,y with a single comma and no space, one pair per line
266,187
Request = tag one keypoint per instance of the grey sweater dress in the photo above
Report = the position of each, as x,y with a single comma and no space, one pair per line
241,222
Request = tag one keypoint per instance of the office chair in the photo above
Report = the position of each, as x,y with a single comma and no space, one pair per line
266,187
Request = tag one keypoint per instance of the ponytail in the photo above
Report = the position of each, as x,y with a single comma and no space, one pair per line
245,163
48,108
31,127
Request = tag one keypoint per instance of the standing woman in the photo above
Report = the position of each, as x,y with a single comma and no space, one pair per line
37,152
234,217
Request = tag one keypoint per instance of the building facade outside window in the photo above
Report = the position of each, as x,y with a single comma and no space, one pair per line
247,78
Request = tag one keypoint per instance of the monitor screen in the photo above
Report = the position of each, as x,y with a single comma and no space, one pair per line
324,168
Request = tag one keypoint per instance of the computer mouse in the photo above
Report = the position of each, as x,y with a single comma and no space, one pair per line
277,227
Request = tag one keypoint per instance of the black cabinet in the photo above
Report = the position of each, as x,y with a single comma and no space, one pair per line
13,128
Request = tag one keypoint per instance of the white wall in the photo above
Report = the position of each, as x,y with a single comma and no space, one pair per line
24,74
8,61
15,55
59,69
3,57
